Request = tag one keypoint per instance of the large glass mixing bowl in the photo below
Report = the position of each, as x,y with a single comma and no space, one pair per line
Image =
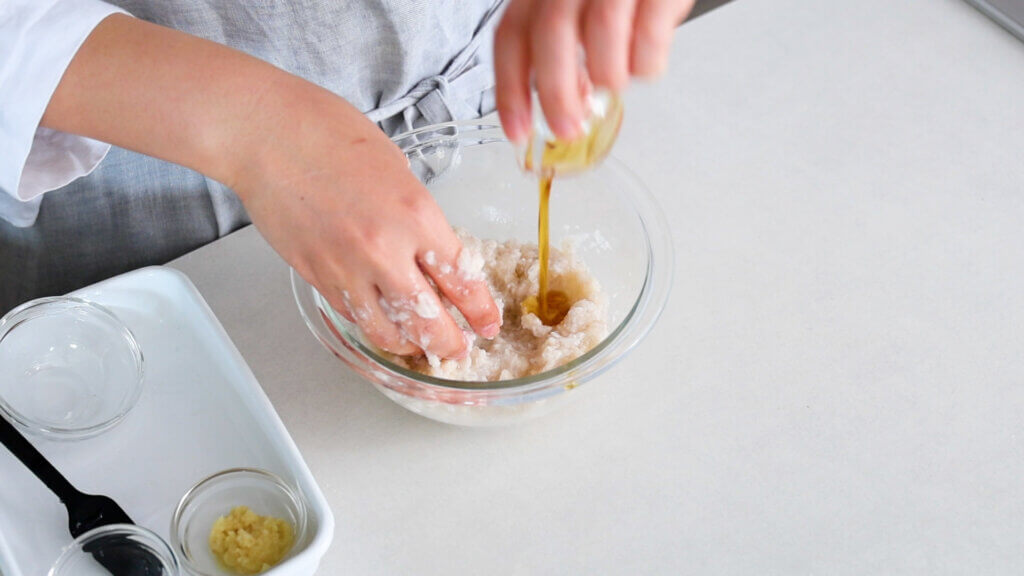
618,230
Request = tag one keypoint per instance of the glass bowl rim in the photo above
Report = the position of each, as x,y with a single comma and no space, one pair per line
292,493
155,542
653,292
8,324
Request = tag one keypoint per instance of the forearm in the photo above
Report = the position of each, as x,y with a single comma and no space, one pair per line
183,99
326,188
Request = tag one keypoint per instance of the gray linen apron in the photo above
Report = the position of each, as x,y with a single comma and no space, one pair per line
405,63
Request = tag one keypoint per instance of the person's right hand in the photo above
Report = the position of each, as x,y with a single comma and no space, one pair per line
330,192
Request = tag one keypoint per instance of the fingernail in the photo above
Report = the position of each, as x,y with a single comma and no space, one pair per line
466,336
517,127
491,330
566,129
648,61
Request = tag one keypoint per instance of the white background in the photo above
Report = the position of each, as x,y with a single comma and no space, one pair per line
837,384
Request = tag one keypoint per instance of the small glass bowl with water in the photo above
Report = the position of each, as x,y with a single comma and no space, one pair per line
69,368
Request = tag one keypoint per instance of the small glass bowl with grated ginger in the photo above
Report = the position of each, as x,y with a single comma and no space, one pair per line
240,521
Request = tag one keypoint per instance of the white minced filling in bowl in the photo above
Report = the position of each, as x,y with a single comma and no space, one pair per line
525,346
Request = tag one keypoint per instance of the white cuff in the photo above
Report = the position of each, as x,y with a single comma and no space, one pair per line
38,39
56,159
18,213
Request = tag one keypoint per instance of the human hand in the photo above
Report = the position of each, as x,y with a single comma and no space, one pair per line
336,199
330,192
620,38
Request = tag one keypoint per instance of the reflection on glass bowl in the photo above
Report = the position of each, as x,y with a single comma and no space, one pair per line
69,368
616,226
116,549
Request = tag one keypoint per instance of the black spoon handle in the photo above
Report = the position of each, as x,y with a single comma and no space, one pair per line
30,457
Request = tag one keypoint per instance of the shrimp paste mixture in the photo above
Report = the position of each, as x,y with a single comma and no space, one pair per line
525,345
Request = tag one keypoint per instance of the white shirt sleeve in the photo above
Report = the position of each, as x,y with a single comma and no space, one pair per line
38,39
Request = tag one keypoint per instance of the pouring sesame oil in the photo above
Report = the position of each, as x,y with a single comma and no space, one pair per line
549,157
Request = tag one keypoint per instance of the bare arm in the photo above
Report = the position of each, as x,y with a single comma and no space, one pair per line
183,99
327,189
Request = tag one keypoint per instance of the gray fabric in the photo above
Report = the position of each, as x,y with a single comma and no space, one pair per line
405,63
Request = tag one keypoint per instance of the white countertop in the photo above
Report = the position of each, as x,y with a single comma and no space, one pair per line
837,383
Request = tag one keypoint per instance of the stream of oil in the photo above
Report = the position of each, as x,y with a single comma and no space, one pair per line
564,157
550,306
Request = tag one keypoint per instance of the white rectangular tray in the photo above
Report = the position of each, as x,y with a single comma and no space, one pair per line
201,411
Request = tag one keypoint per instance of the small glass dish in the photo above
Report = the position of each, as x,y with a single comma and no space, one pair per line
606,212
117,549
544,152
69,369
263,492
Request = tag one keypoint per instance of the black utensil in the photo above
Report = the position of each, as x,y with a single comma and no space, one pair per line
119,555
